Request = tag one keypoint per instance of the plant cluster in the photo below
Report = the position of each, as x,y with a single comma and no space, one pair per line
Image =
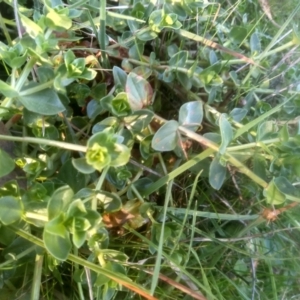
153,138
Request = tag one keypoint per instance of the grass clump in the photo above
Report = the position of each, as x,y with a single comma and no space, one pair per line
149,150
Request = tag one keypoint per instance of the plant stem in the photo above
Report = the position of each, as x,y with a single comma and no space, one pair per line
37,277
102,32
38,88
99,186
210,215
159,255
40,141
207,143
276,50
24,75
83,262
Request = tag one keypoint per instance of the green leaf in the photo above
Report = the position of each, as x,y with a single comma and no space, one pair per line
179,59
166,137
209,76
78,237
273,194
101,280
217,174
213,58
170,21
234,77
7,90
44,102
191,115
259,166
265,130
284,186
213,136
105,138
139,91
45,74
120,155
255,45
56,225
69,57
143,71
139,120
58,21
120,77
110,122
145,147
7,164
226,133
118,106
32,28
155,20
284,133
238,34
238,114
111,202
59,201
184,80
168,75
136,50
39,58
76,209
72,177
99,156
58,246
82,166
94,109
11,210
146,36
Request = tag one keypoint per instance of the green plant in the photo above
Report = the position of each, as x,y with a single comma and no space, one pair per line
155,139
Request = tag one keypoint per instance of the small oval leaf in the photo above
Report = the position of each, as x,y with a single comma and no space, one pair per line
166,138
226,133
58,246
139,91
7,164
10,210
191,115
217,174
44,102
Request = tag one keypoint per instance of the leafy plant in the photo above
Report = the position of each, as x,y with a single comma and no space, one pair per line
154,139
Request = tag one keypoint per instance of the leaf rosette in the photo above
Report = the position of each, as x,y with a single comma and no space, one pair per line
98,156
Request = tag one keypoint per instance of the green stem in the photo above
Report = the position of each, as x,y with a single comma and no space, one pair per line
24,75
136,192
17,257
276,50
163,180
126,282
36,89
210,215
5,31
255,144
99,186
102,32
102,178
271,91
37,277
159,255
63,145
207,143
79,285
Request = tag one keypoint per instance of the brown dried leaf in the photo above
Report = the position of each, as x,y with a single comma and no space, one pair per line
116,219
